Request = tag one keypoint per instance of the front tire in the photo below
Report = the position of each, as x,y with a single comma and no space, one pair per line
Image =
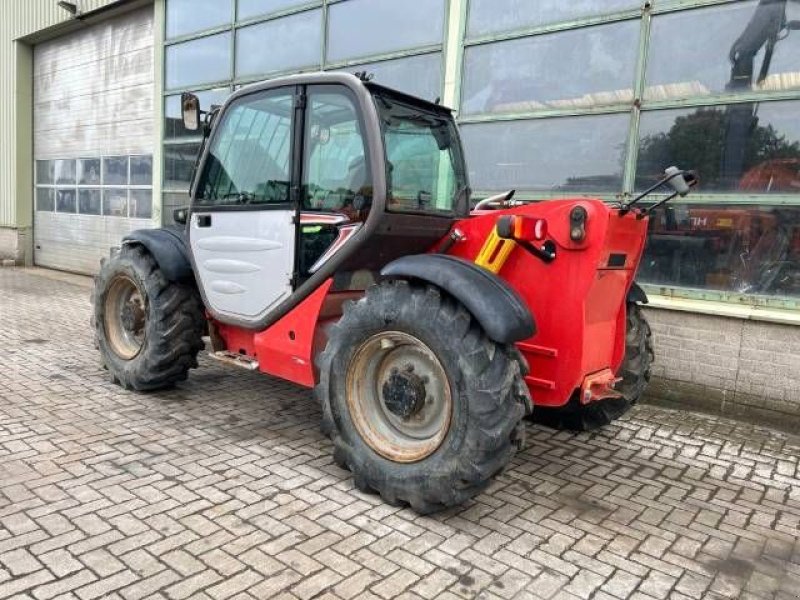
148,329
421,406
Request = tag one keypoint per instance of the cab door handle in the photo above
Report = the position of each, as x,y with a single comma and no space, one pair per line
204,220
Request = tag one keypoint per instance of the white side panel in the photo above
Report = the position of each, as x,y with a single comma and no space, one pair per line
244,260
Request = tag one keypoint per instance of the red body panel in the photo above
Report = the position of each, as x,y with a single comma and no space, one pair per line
578,300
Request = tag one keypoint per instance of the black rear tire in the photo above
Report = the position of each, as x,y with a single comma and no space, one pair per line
488,396
635,372
169,322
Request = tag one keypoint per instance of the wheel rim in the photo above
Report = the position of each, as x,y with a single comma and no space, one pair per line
399,397
125,317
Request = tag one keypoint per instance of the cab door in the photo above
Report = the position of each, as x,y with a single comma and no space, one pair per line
242,230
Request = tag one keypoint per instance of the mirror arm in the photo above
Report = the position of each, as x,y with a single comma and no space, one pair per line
626,208
644,213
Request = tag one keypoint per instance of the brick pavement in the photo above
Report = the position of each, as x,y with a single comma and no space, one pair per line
225,488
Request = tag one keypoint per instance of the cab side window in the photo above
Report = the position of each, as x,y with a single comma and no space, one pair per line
249,161
335,170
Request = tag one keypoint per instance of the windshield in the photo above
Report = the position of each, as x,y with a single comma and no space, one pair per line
424,165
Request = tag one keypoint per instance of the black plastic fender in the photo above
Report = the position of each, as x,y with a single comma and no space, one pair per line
168,247
495,305
636,294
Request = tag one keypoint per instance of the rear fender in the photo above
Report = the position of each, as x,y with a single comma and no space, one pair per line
169,249
495,305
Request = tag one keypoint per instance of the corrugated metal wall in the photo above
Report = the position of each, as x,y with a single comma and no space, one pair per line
20,18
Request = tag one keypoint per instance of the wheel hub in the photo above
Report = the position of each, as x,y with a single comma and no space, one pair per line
404,392
132,317
399,396
125,316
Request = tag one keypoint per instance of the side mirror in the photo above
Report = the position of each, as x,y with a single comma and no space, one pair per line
180,215
190,111
681,181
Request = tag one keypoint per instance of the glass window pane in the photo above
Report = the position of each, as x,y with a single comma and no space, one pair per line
45,172
142,170
253,58
529,73
419,76
249,9
364,27
723,48
173,120
189,16
491,16
571,154
740,249
248,160
115,170
141,204
334,164
749,148
65,171
205,60
115,202
89,171
179,161
65,201
89,202
45,199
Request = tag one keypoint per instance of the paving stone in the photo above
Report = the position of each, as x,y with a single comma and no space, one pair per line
225,487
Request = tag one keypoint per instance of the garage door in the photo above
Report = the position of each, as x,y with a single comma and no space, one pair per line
93,140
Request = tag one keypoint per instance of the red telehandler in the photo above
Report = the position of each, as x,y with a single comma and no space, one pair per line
330,241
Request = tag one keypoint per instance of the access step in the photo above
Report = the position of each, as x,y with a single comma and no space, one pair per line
237,360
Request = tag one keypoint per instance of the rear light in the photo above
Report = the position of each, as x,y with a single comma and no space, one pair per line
521,228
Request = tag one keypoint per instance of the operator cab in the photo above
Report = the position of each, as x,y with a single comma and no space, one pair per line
310,176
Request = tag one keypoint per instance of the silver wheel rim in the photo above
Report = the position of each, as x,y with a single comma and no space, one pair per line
125,317
394,364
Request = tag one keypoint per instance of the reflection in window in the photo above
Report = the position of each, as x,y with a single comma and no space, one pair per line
141,170
575,154
733,47
419,76
748,147
45,199
65,171
492,16
115,202
248,161
248,9
179,161
200,61
45,172
115,170
141,204
364,27
89,171
65,201
173,119
89,202
254,57
189,16
529,73
740,249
